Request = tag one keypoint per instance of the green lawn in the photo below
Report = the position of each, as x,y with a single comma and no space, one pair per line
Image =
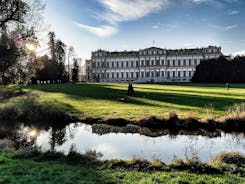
20,170
111,100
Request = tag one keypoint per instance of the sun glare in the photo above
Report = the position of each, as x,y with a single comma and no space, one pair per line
30,46
33,133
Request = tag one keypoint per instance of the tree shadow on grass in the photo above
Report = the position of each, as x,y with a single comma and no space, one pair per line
226,93
88,91
202,85
105,92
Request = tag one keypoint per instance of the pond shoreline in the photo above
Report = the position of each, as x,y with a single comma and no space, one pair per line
174,123
224,162
34,112
53,167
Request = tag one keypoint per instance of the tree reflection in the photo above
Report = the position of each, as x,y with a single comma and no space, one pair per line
57,137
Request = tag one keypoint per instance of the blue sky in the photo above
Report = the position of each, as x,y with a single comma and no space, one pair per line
134,24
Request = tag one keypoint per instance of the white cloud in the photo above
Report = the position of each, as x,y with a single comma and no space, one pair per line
232,12
224,28
240,53
127,10
219,4
199,1
101,31
123,10
155,26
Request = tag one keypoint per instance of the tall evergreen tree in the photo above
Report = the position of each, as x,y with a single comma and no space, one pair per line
52,46
75,71
60,49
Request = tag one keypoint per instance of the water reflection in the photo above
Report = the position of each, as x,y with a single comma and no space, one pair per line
126,142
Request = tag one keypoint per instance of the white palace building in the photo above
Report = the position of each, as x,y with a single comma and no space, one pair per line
148,65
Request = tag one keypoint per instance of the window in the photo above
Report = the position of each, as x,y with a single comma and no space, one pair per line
157,62
152,62
132,63
137,74
122,64
142,74
173,73
117,64
190,74
112,75
195,61
152,74
168,62
137,63
126,63
162,73
157,74
168,74
112,64
147,62
184,73
132,74
122,75
179,75
142,62
162,62
189,61
184,62
147,74
173,62
179,62
126,74
107,75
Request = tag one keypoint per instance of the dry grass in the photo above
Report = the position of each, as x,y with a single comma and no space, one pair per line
230,158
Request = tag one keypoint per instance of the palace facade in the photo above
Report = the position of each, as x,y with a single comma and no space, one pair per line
148,65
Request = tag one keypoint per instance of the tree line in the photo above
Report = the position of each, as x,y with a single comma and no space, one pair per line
221,70
20,23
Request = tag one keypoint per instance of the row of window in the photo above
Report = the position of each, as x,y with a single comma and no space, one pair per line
173,62
159,52
167,74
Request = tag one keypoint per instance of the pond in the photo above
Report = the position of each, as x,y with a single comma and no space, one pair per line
117,143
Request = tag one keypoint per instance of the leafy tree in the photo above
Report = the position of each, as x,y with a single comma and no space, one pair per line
13,11
221,70
47,71
75,71
17,28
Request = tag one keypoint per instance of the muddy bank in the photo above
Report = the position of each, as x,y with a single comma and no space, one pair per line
174,123
103,129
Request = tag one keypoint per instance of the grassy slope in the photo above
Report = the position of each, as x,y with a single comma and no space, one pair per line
30,171
104,100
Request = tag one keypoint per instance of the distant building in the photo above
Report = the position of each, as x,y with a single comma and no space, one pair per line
148,65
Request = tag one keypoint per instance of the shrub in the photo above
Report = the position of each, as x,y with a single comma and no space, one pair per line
193,166
230,158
